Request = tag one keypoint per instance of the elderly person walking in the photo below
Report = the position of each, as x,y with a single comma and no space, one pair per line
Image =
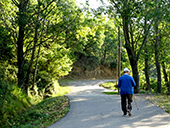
126,84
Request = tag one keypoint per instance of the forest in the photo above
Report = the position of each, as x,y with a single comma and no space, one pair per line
42,41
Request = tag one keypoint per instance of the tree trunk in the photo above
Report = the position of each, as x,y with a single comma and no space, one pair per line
119,57
159,86
131,53
165,75
36,67
134,66
119,54
169,84
104,58
20,43
38,55
29,70
146,57
131,44
20,57
147,72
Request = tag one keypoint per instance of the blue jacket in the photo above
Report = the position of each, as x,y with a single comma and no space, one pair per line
126,82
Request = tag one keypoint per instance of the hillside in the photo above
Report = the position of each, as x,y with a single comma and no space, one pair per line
88,67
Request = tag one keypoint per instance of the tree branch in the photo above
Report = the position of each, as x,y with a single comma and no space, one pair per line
15,2
144,40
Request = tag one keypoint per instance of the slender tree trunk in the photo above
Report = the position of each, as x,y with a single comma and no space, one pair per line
119,57
147,71
119,54
159,86
165,75
104,58
29,70
169,84
146,61
158,68
36,67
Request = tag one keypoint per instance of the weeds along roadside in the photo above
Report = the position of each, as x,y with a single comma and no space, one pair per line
19,110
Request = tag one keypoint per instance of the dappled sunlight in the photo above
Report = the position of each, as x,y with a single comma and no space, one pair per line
91,118
79,99
90,108
90,87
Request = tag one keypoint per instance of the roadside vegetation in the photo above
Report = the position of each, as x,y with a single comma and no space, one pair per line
109,85
22,111
40,115
162,101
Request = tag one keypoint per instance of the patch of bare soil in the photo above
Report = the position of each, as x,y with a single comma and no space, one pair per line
101,72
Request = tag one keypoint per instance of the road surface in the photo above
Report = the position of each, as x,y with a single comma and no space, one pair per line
90,108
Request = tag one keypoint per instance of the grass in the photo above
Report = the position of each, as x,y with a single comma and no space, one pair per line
162,101
42,114
109,85
110,93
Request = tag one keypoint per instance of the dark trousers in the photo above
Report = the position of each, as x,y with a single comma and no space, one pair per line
126,102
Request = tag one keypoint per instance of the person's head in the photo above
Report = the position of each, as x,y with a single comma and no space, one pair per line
126,71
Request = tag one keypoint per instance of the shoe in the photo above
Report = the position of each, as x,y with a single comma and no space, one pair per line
125,115
129,113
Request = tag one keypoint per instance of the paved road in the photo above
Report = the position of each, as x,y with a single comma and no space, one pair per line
90,108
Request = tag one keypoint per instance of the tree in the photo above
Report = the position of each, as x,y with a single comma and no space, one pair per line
37,24
135,32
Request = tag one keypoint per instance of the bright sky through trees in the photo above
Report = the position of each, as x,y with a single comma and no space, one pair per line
92,3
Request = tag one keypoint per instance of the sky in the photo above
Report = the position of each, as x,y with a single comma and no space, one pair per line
92,3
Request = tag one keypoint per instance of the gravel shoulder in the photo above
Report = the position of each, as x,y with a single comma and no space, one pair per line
90,108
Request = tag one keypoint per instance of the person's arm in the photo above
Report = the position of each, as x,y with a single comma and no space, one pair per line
133,82
119,83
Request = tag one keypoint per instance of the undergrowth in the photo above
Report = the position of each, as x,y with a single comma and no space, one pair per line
109,85
41,115
17,110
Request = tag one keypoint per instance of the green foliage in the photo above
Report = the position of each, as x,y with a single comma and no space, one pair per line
12,100
125,60
108,51
56,61
41,115
110,93
19,110
113,64
109,85
53,64
86,62
6,48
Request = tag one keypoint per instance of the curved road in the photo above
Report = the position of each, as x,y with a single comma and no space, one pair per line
90,108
